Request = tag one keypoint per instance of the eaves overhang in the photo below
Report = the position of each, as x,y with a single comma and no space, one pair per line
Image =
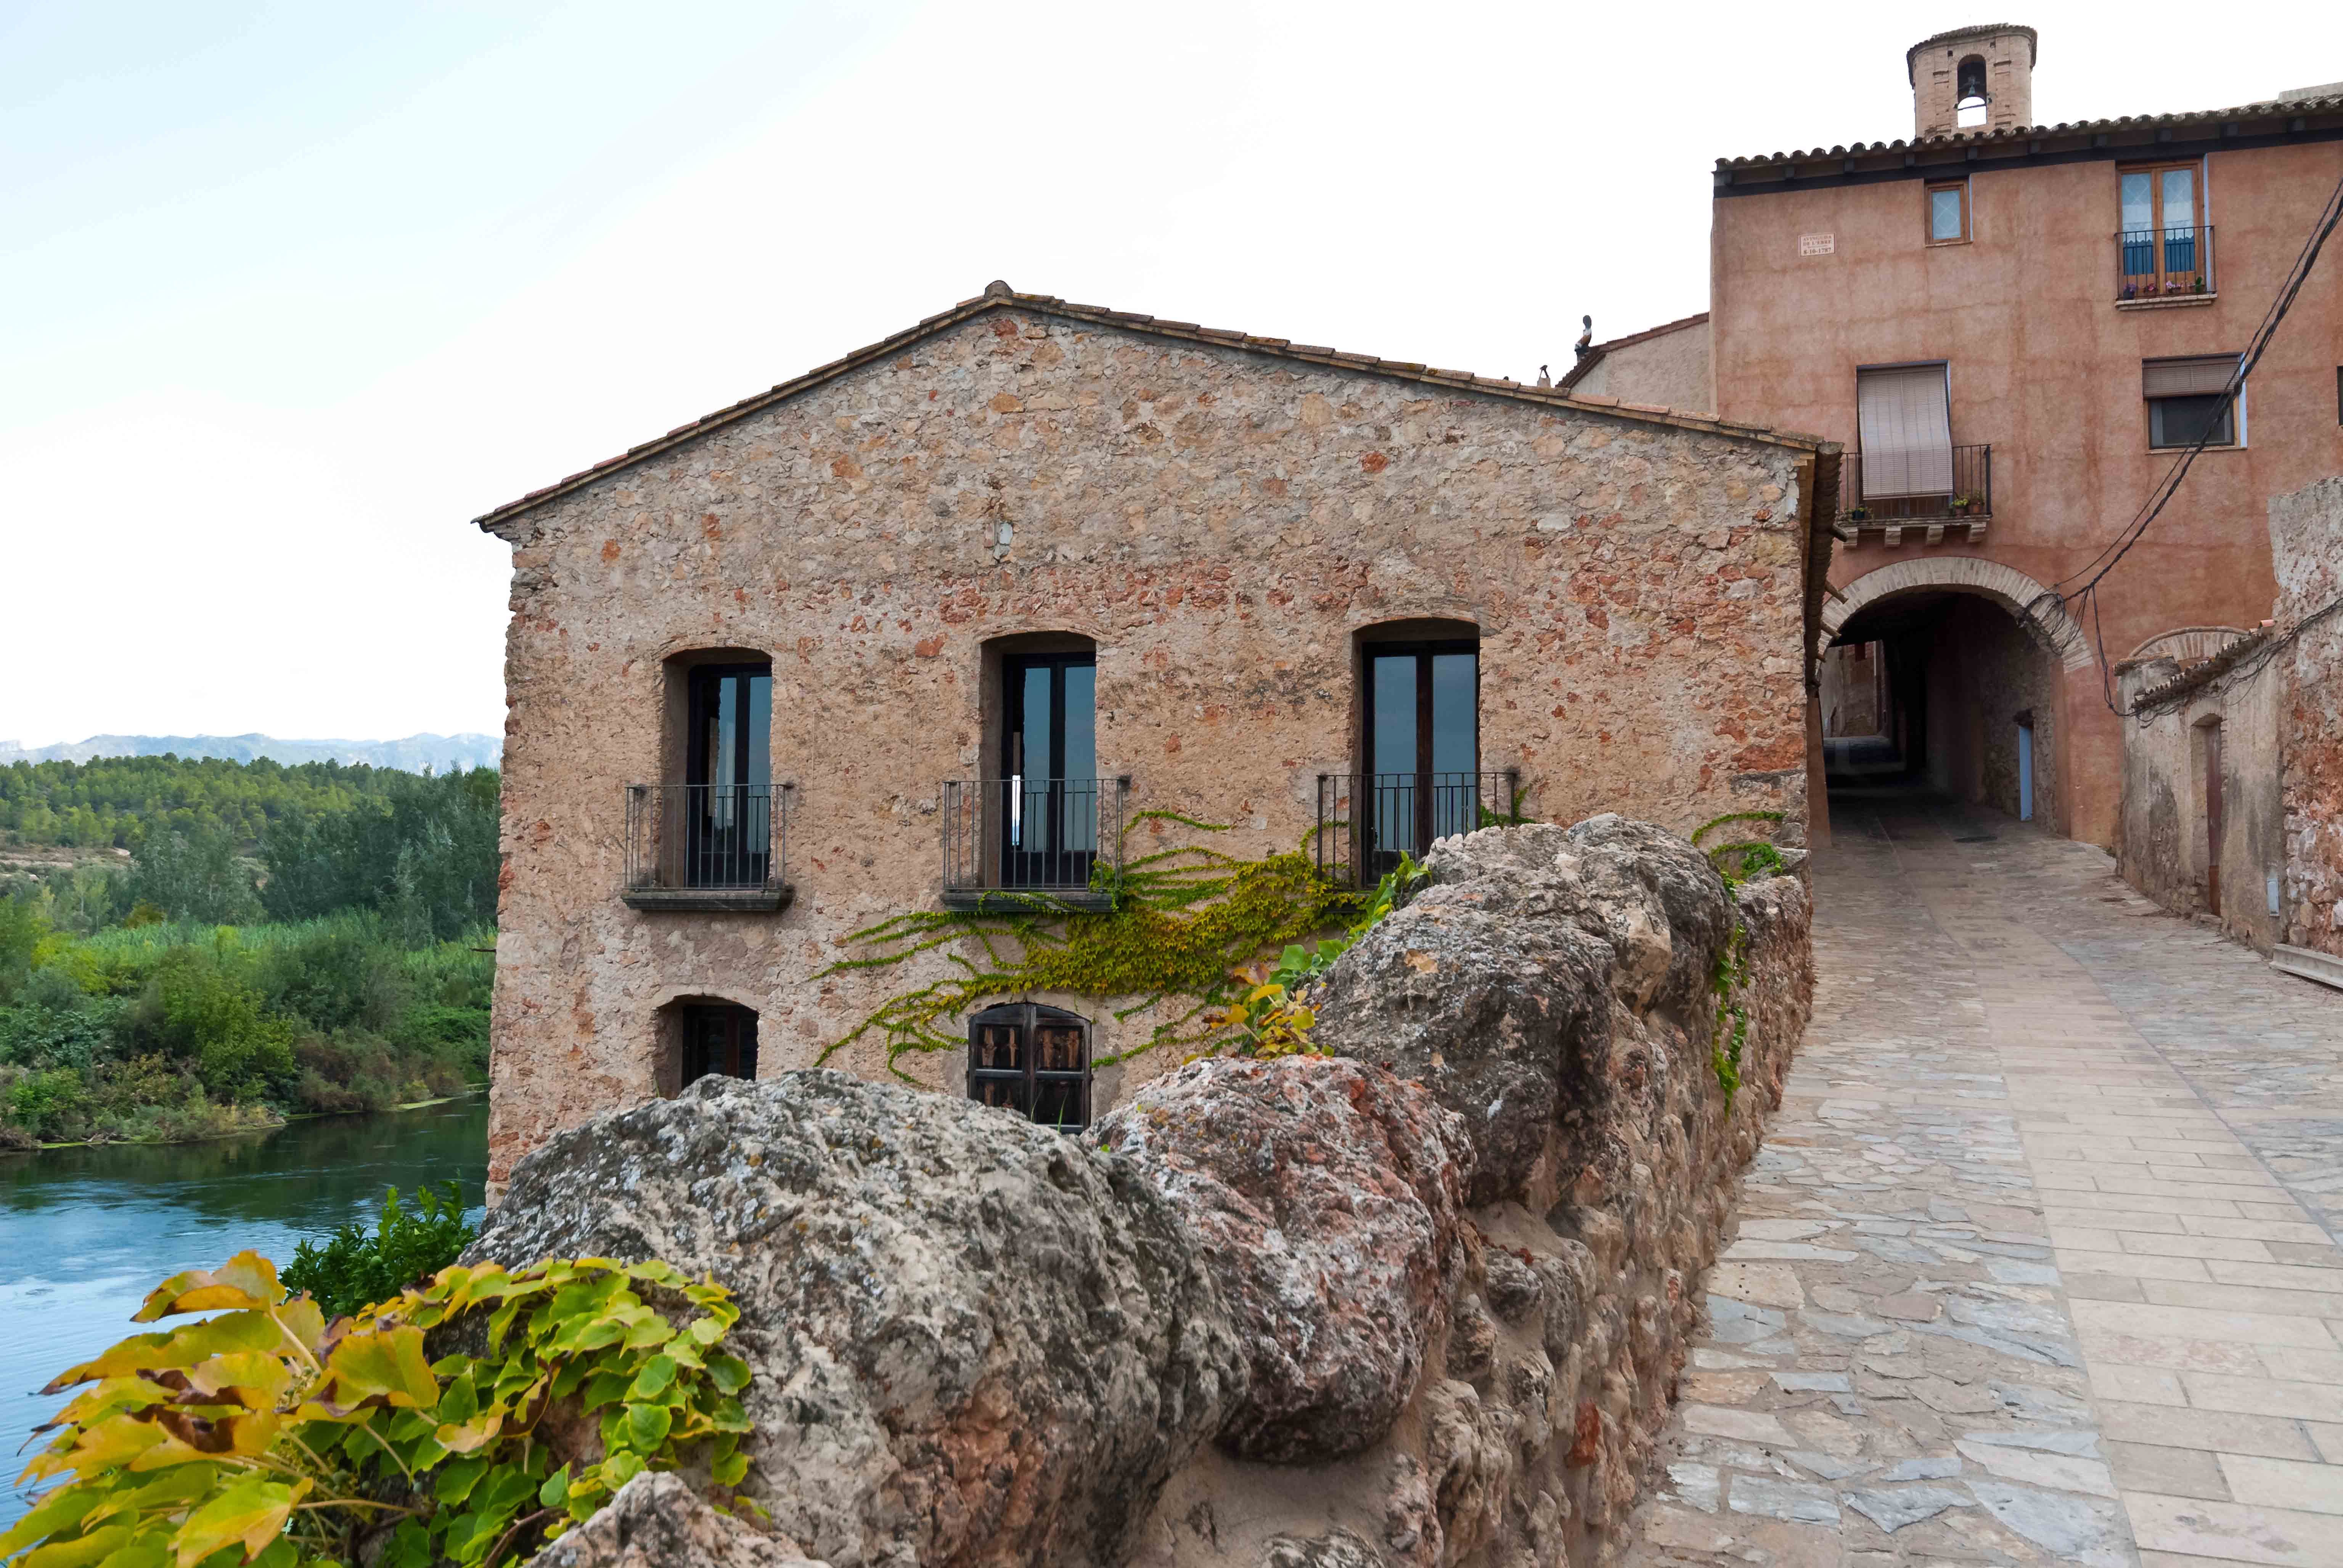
2276,123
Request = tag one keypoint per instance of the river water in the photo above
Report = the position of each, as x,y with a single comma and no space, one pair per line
84,1234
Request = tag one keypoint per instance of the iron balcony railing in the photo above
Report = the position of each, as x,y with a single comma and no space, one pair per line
1968,498
709,840
1053,840
1366,821
2163,263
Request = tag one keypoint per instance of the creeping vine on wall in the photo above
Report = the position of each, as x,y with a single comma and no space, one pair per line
1183,924
1737,862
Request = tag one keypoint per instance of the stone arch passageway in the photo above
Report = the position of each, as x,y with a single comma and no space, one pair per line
1954,670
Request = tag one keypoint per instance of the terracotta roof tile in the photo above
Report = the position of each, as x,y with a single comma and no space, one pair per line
2265,109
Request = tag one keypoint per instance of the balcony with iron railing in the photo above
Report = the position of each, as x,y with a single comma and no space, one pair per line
708,846
2164,265
1933,493
1032,843
1366,821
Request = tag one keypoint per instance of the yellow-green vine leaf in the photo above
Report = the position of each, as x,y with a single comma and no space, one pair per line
247,1280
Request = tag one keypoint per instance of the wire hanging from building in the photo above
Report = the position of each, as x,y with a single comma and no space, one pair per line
2076,601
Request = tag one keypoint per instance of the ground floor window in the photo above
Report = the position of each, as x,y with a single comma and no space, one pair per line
720,1037
1033,1060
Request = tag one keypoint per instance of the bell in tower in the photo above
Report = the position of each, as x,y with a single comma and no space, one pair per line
1970,94
1972,78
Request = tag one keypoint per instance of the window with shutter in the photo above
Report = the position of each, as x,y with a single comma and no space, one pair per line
2185,401
1907,430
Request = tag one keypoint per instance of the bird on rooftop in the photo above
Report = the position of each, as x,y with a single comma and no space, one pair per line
1586,338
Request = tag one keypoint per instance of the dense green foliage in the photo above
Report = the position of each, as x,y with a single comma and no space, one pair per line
178,1030
357,1268
196,988
113,802
266,1435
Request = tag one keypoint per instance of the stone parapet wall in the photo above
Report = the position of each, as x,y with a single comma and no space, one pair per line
1418,1306
2307,547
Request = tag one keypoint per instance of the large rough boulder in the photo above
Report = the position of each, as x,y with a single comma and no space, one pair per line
974,1340
1500,987
656,1521
1326,1198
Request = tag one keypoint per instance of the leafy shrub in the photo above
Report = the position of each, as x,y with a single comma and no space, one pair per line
354,1269
199,1008
51,1105
40,1033
264,1436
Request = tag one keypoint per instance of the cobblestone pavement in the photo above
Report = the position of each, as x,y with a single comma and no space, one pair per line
2037,1263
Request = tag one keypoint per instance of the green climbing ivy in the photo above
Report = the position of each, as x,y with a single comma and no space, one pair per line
1737,862
1183,924
1744,859
1731,1020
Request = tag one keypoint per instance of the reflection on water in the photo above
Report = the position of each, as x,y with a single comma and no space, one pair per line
84,1234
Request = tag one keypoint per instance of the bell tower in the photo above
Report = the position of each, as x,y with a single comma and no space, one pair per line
1972,79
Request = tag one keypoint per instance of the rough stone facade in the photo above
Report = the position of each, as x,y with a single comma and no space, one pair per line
2193,721
2257,715
2307,543
1305,1312
1223,518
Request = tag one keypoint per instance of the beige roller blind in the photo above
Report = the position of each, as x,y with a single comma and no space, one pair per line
1907,431
2188,378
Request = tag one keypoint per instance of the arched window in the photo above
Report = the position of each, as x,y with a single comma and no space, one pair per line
699,1036
1031,1060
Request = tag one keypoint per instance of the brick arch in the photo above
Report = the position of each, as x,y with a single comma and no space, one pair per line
2010,589
2186,645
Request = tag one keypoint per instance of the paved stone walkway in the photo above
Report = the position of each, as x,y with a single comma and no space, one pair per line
2037,1263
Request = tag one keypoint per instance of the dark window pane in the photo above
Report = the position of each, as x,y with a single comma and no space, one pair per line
1391,741
1455,712
2183,421
723,732
998,1047
1060,1048
1058,1104
1039,758
1081,722
1004,1093
757,731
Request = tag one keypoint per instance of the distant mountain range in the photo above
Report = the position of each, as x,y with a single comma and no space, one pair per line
440,753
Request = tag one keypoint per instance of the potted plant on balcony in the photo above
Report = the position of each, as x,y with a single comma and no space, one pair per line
1961,504
1858,513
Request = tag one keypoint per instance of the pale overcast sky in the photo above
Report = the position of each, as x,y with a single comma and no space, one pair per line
289,293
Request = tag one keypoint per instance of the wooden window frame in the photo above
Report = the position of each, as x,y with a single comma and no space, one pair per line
2199,221
1029,1077
1928,211
2196,167
740,1046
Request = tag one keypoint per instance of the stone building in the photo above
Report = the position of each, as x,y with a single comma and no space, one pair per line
2233,757
2015,326
991,610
